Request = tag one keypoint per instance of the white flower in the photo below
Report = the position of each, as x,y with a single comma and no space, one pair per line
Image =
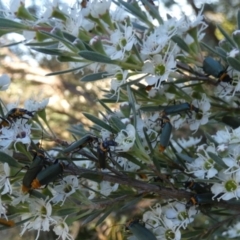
40,210
178,214
4,82
126,138
19,131
119,78
36,105
222,136
20,197
201,117
119,15
153,217
98,8
233,231
122,43
61,229
106,187
3,210
5,185
203,166
65,188
232,163
160,38
160,67
229,188
127,165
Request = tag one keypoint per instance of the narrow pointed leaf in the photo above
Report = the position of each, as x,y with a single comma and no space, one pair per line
96,57
65,71
153,10
61,39
99,122
217,159
233,62
7,23
209,48
185,157
95,77
42,44
49,51
238,19
11,161
180,42
233,122
228,38
135,10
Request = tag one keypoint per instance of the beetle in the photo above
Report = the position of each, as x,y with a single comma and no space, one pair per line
32,171
14,114
81,143
178,108
197,187
165,134
47,175
216,69
102,150
199,199
140,231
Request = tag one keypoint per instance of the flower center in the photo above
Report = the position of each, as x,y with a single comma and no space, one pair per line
182,215
123,42
160,70
208,164
43,211
67,189
169,235
119,76
231,185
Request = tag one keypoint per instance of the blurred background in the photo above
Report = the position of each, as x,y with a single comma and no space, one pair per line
69,97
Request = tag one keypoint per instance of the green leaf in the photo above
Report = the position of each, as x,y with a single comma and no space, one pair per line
96,57
99,122
185,157
222,53
11,161
12,44
153,10
233,62
134,9
116,123
105,215
70,59
180,42
67,211
42,44
49,51
91,217
209,48
65,71
60,37
210,138
233,122
94,77
228,38
217,159
7,23
130,157
130,204
109,111
238,19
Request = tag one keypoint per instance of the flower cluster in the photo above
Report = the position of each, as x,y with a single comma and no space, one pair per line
167,89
